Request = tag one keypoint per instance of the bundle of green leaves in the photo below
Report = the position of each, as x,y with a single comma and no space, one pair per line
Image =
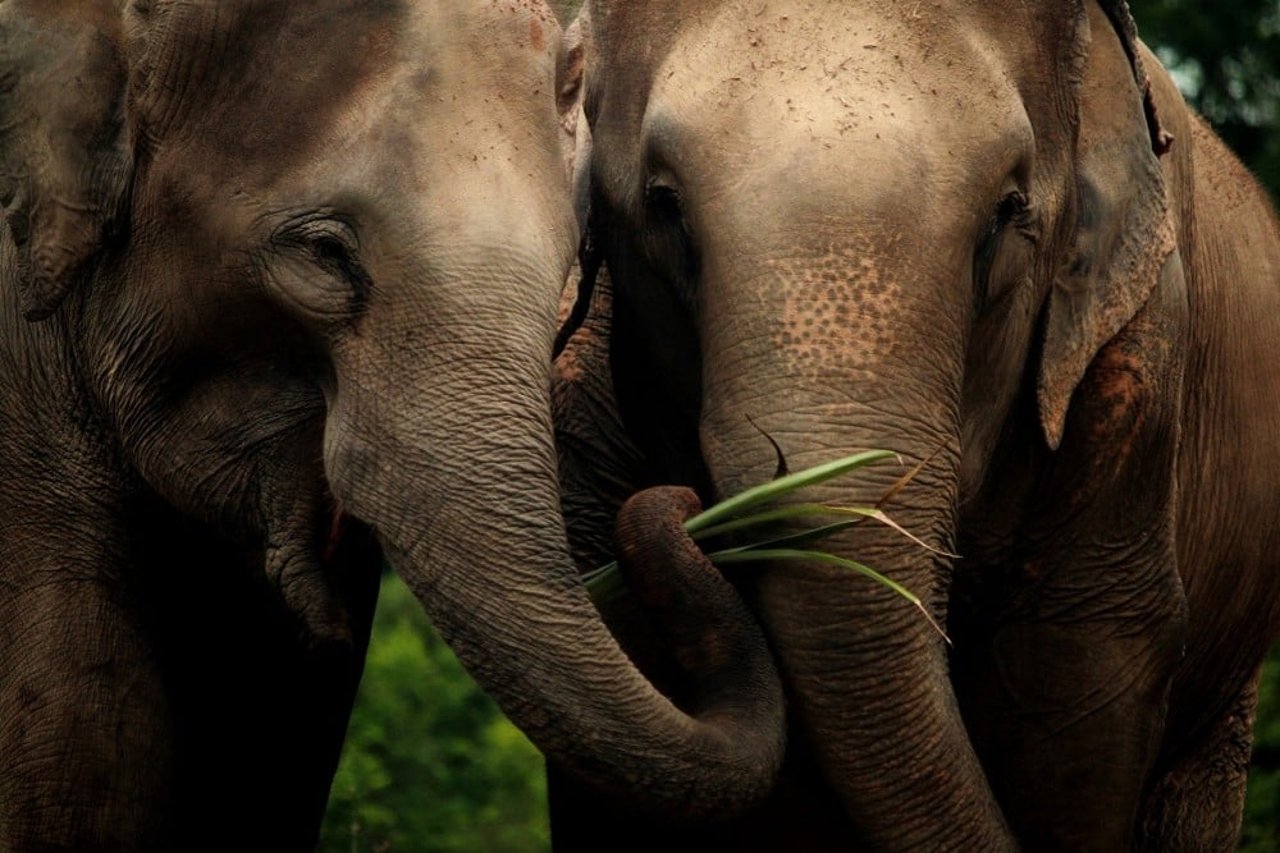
752,515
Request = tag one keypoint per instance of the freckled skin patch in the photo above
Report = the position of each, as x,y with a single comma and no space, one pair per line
837,309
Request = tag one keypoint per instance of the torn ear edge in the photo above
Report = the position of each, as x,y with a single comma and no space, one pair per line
1087,311
571,70
1122,20
62,245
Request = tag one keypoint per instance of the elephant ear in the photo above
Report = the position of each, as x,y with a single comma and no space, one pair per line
571,92
64,164
576,141
1123,235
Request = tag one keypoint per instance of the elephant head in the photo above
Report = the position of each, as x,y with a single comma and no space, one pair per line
305,259
929,228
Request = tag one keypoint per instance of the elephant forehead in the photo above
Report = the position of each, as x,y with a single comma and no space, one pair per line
310,84
836,100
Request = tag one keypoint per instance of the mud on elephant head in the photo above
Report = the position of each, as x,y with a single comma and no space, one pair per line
882,224
307,256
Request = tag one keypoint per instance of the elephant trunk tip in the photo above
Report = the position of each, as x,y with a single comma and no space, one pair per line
711,635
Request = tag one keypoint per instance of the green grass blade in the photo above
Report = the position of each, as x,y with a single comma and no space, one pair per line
812,510
594,575
734,556
908,477
882,517
605,583
792,541
766,492
784,513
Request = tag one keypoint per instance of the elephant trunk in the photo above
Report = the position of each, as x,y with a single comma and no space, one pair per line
868,671
454,466
844,368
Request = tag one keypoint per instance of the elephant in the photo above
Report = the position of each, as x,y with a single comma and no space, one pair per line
279,291
993,238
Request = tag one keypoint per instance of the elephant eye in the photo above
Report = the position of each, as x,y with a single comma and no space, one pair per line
332,252
1012,211
664,203
332,245
670,242
328,244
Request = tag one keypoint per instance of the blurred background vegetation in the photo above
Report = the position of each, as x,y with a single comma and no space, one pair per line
1225,56
431,764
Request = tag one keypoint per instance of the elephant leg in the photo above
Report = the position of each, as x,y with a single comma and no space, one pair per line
1071,705
1197,802
84,722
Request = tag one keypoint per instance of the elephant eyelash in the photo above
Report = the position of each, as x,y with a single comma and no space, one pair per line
1016,211
328,243
1013,211
664,202
1011,206
331,244
672,236
336,256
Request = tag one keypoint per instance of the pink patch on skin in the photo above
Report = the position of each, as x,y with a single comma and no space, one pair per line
535,34
337,529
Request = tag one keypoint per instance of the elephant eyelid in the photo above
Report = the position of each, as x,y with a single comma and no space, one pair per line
1014,210
665,206
664,201
331,243
326,236
1011,205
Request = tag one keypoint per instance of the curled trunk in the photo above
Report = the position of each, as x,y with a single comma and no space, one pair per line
472,523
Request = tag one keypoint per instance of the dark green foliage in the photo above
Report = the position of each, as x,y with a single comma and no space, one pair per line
430,763
1262,808
1226,59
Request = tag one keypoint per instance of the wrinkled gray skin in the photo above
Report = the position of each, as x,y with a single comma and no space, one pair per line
279,280
946,229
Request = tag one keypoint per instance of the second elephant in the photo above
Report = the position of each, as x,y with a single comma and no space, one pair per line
994,237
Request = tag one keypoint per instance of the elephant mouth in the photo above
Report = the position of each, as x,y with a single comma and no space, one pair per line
340,524
316,565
